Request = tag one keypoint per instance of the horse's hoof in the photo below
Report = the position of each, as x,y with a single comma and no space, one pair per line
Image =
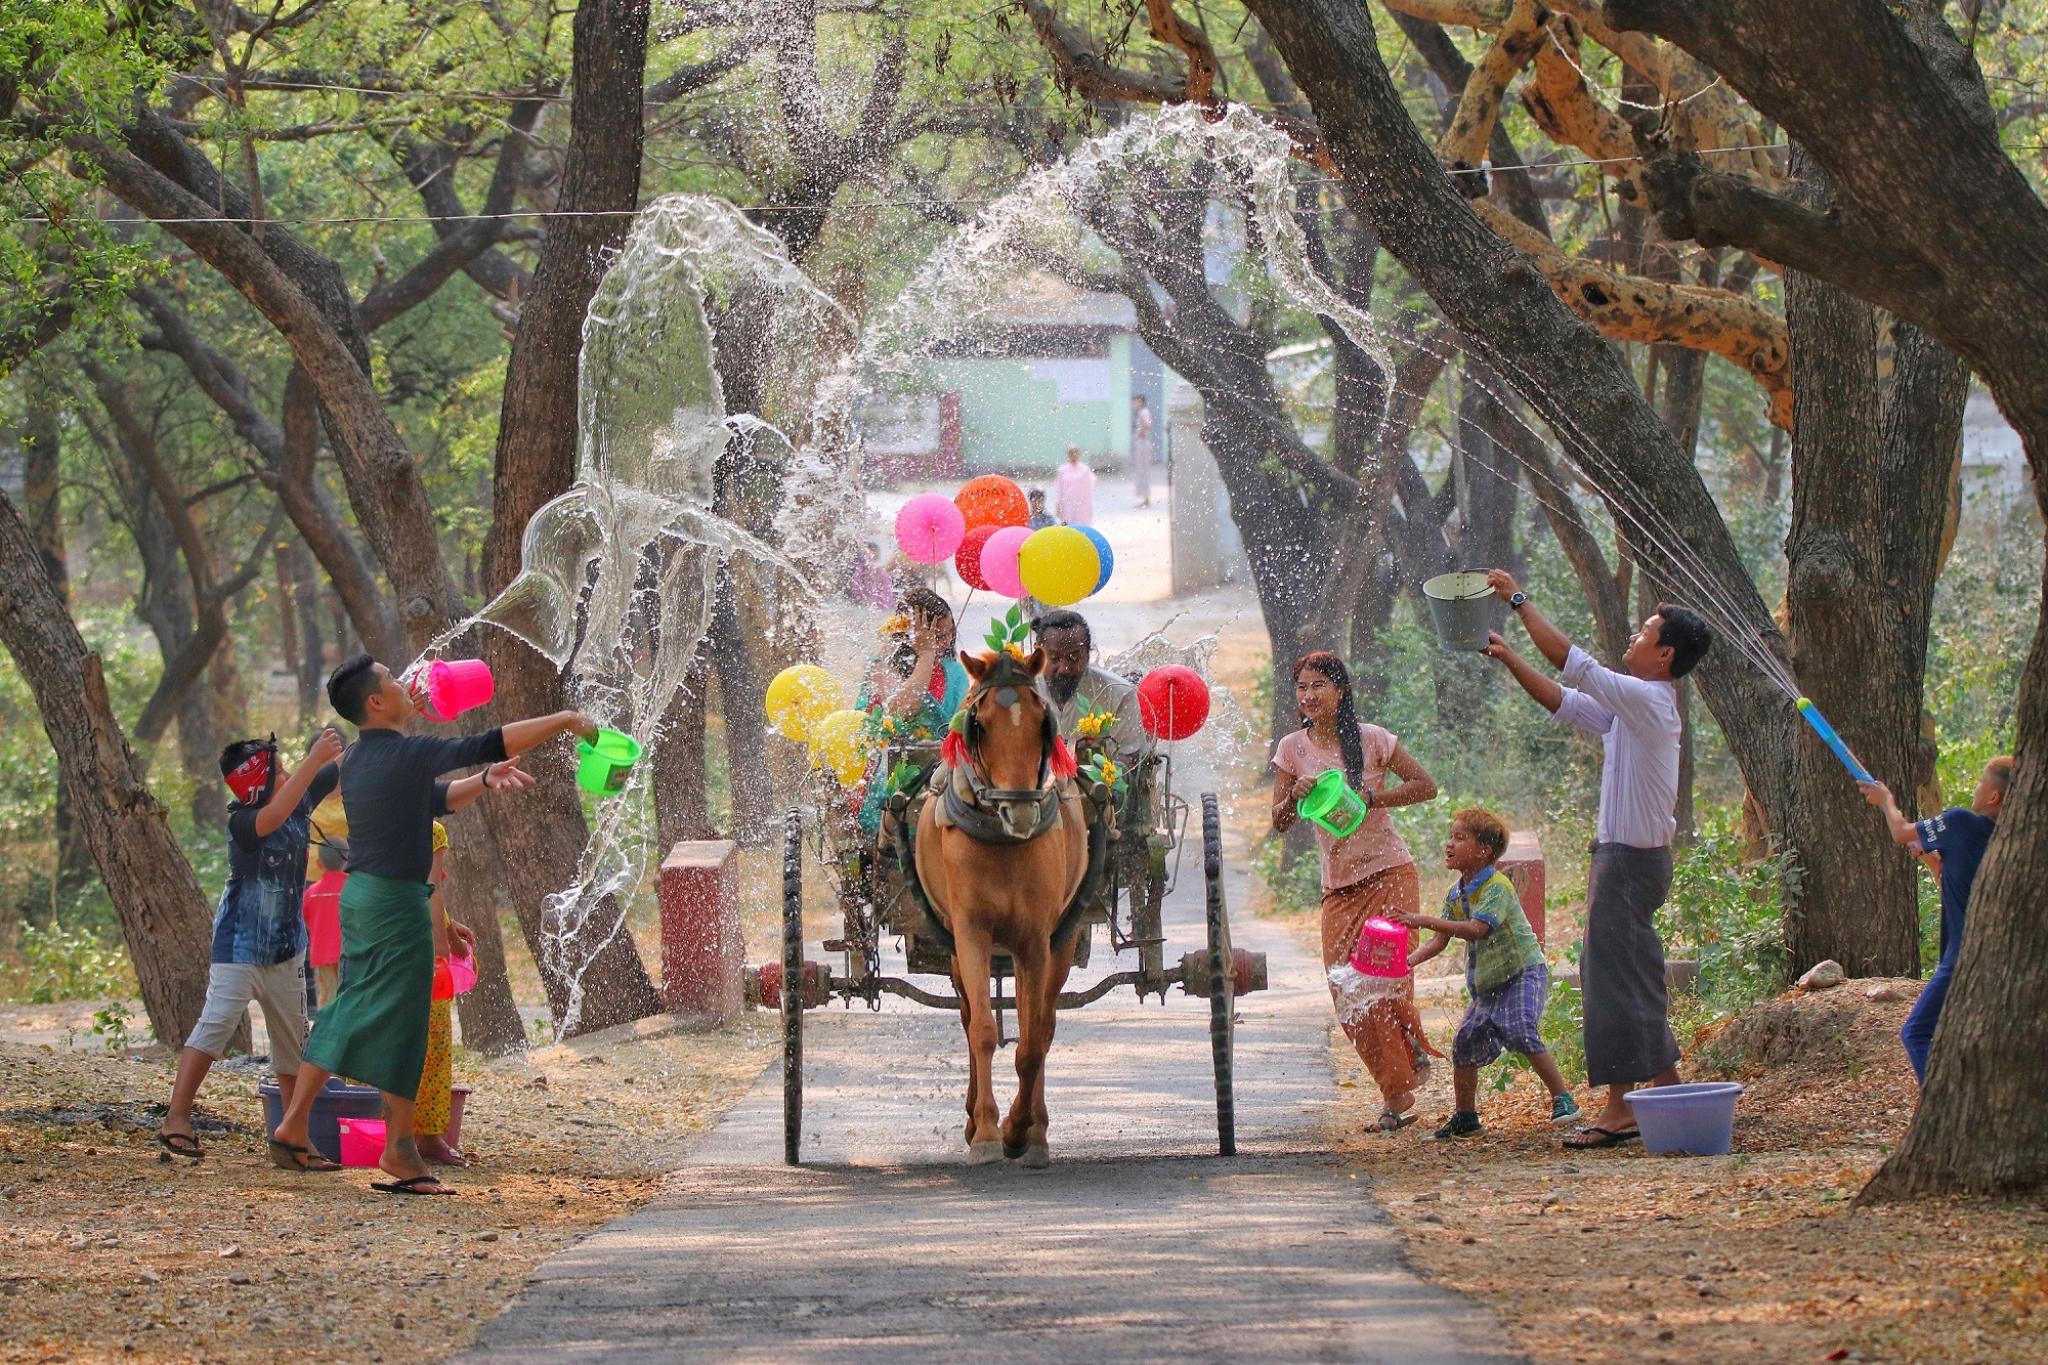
982,1153
1036,1157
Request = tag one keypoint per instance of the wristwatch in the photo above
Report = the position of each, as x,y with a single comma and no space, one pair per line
1518,601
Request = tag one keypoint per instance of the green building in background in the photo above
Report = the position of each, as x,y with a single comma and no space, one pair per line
1055,367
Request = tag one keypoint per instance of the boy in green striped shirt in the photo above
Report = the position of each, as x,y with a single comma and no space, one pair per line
1504,970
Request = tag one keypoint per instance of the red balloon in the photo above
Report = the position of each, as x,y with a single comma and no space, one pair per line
992,500
968,559
1173,702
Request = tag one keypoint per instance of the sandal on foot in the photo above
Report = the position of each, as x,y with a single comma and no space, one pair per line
410,1186
1588,1139
290,1156
1391,1122
181,1144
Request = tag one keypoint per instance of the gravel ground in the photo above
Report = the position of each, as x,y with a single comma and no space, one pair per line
108,1252
1620,1256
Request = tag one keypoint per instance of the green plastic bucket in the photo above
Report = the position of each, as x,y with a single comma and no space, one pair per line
603,760
1331,804
1463,609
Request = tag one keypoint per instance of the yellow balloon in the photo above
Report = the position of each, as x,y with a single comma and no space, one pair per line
798,698
839,743
1059,566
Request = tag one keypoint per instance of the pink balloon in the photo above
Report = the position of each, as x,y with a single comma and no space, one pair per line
929,528
999,560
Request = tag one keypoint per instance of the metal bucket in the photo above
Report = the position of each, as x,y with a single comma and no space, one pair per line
1463,608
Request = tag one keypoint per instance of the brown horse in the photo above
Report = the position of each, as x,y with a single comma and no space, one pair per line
1003,853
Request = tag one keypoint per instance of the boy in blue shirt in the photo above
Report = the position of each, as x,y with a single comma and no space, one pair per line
259,930
1955,840
1504,971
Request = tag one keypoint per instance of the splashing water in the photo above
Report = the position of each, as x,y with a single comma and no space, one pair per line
1044,224
618,574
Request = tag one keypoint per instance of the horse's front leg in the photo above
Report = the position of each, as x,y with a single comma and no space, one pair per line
970,963
966,1032
1023,1136
1060,962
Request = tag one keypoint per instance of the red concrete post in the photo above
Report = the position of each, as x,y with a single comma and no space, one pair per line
701,942
1523,864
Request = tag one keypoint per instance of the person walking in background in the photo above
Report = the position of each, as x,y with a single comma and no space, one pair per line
437,1078
1635,713
1369,872
1141,450
259,927
1039,518
323,919
1073,491
1955,841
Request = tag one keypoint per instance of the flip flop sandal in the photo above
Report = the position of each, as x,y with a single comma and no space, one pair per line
409,1186
1601,1137
1391,1122
289,1156
190,1150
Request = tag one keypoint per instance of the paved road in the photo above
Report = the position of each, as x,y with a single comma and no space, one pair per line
1139,1243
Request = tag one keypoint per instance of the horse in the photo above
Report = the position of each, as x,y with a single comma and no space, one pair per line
1006,858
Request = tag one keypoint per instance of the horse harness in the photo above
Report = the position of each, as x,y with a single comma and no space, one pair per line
989,814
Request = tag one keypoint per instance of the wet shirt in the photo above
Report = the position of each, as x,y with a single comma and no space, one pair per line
1960,836
391,790
1374,846
1510,945
258,921
1102,690
1638,724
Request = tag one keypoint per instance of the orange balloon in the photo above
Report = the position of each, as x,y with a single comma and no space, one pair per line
992,500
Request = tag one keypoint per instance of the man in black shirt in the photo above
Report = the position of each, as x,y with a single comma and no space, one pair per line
375,1028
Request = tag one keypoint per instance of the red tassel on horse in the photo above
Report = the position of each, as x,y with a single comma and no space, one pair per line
1063,764
953,752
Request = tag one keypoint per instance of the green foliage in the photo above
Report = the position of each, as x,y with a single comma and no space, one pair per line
1007,630
110,1025
1724,912
62,962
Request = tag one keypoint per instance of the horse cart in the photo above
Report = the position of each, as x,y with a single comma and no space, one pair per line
1144,836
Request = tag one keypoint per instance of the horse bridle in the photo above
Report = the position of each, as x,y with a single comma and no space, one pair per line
1003,815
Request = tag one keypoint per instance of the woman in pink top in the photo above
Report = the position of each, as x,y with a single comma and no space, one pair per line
1369,871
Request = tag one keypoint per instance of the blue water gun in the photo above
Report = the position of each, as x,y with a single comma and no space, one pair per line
1832,740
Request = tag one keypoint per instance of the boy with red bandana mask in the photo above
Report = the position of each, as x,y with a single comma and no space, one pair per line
259,929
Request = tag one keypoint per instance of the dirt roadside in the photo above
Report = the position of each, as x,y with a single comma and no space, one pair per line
1621,1256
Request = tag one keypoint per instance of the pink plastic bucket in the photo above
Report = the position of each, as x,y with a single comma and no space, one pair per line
455,686
1382,949
453,976
362,1141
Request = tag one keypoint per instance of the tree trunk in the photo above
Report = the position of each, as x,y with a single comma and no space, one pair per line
491,1023
1981,1127
682,805
542,837
42,488
156,898
1870,475
310,662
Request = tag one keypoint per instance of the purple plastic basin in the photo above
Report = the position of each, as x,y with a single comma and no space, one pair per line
1696,1119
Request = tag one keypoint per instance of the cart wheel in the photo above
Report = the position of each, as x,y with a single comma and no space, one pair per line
1221,1002
792,989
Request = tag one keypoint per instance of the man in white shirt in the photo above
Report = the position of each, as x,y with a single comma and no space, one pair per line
1635,713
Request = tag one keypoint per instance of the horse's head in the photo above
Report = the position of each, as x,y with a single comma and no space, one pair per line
1011,731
